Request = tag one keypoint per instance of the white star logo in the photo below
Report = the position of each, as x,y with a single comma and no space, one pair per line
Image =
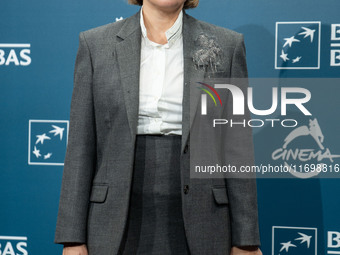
57,131
284,56
36,152
297,59
42,138
308,32
304,239
47,156
286,246
289,41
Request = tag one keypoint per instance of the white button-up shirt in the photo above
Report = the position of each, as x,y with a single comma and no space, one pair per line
161,82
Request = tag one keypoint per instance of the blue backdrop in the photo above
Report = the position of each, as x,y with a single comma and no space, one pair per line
38,45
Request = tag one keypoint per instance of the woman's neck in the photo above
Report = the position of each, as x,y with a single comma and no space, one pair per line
158,21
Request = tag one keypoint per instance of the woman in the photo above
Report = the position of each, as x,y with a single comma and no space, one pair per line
126,185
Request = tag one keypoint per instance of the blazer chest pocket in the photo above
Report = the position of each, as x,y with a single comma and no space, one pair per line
220,195
99,193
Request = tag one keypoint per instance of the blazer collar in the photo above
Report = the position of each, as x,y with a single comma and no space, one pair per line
130,26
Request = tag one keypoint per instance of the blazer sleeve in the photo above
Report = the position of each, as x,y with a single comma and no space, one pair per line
80,157
239,152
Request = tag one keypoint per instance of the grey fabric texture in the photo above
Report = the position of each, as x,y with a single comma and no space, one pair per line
98,170
155,222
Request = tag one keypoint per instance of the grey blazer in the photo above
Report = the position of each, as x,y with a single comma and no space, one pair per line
96,182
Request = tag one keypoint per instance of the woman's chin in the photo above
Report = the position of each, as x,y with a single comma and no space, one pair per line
167,4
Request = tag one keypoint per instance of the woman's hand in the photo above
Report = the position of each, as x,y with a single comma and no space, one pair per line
245,251
75,250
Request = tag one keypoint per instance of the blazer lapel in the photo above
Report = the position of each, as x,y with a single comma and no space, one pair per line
128,55
191,94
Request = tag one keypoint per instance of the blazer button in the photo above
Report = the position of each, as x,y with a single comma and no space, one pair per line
186,189
186,148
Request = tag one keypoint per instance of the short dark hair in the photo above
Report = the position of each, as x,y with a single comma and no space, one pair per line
187,5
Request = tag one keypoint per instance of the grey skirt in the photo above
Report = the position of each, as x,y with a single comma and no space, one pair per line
155,222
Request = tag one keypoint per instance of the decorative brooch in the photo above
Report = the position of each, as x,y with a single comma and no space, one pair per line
208,55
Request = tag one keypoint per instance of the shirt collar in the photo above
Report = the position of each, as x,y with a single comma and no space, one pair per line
172,34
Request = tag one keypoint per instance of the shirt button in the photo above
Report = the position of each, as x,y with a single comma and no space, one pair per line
186,189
